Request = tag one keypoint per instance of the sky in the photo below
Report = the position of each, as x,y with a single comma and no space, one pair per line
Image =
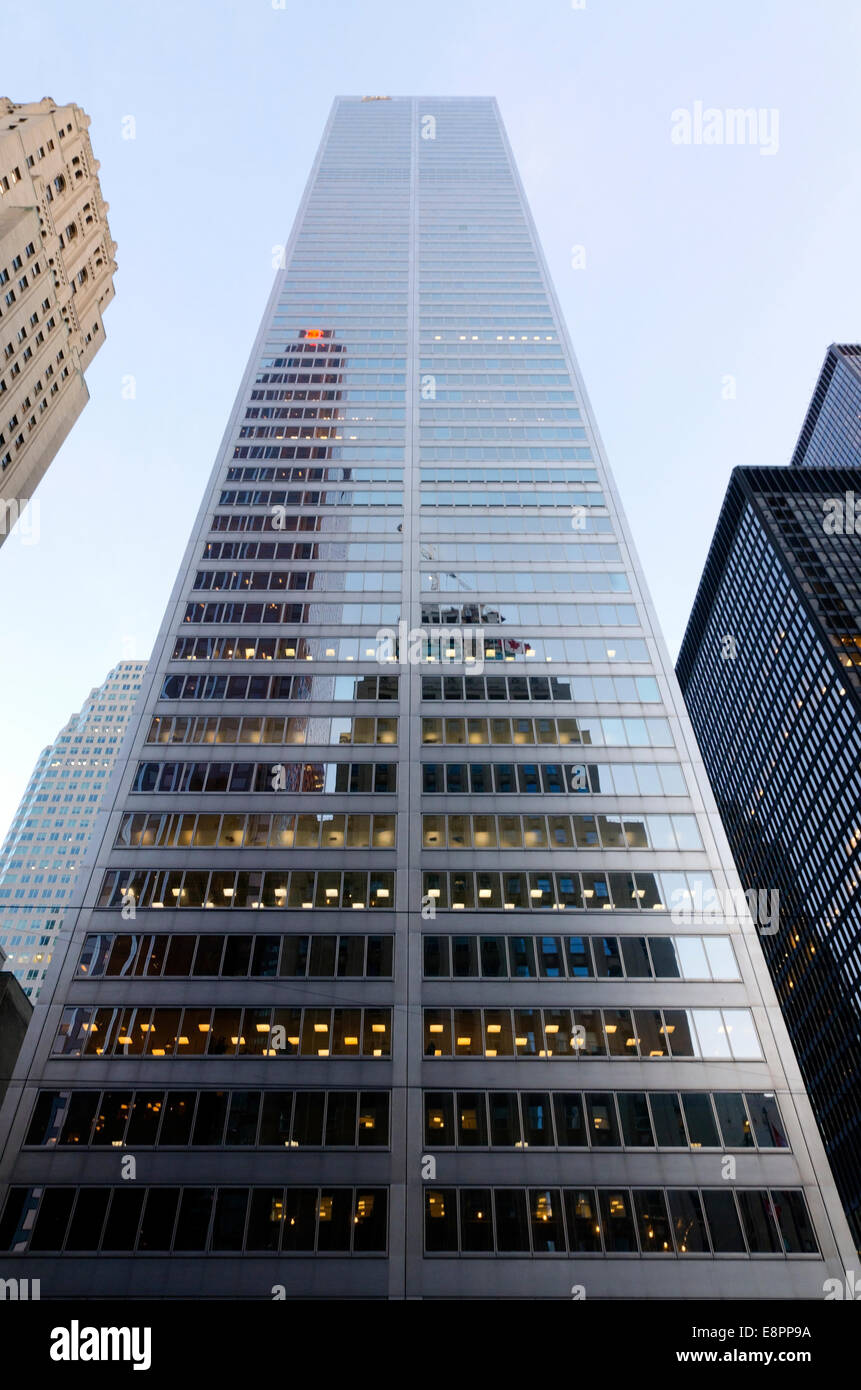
701,282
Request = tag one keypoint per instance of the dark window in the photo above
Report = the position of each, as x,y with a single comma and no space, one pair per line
308,1119
439,1118
180,955
440,1221
111,1120
545,1209
522,957
209,1121
464,957
512,1222
158,1218
207,958
608,962
734,1123
432,778
80,1116
334,1213
792,1218
266,952
653,1223
47,1117
192,1226
504,1119
471,1119
617,1221
759,1227
436,961
603,1128
13,1231
494,963
724,1224
455,778
341,1118
667,1115
634,1115
294,955
679,1032
584,1222
300,1219
177,1117
88,1219
476,1221
237,955
145,1118
373,1119
537,1123
351,955
688,1221
369,1220
275,1120
636,957
228,1228
242,1117
570,1120
504,778
265,1219
664,957
322,961
702,1129
121,1227
52,1219
766,1121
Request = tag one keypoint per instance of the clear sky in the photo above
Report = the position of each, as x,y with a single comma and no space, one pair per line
702,261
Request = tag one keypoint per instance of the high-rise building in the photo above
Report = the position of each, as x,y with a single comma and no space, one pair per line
56,268
831,434
53,824
400,957
769,668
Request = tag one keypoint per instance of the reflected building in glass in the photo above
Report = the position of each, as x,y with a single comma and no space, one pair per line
406,942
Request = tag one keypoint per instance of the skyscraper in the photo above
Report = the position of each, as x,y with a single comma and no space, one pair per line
52,826
393,965
56,268
769,668
831,434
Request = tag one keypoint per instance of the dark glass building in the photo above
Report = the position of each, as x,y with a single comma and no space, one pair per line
769,669
831,434
390,974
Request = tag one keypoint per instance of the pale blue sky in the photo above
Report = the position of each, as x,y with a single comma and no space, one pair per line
701,261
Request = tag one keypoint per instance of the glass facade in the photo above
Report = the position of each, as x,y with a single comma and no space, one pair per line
53,825
831,434
499,739
782,583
